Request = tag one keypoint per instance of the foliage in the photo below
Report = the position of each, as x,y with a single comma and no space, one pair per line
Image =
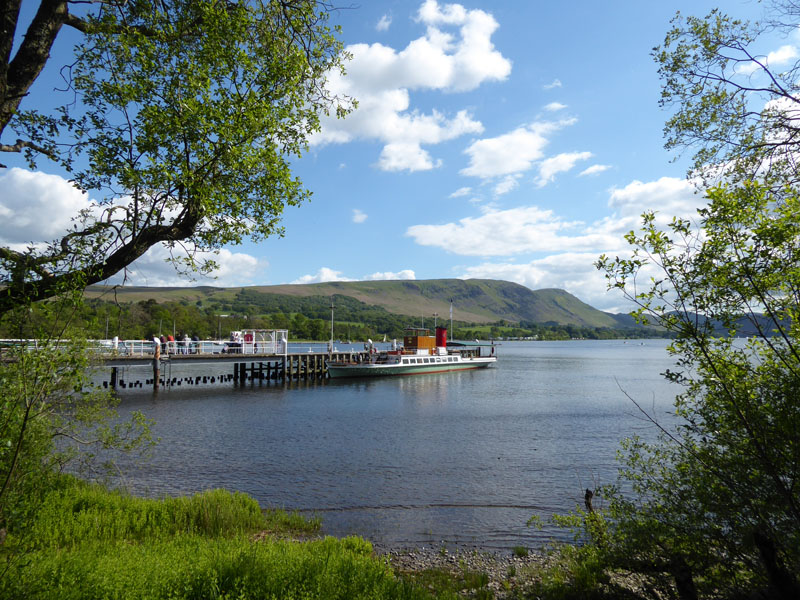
109,516
712,508
715,503
172,549
51,417
731,106
180,117
307,318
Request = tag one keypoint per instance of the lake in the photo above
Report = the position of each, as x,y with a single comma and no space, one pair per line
458,459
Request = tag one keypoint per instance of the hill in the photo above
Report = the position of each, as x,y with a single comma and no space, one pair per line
474,300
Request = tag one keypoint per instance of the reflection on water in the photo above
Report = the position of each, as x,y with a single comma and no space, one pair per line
461,458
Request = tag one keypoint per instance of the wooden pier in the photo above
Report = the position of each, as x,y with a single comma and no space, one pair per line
292,366
259,356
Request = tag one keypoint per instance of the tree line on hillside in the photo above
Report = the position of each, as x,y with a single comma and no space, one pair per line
306,318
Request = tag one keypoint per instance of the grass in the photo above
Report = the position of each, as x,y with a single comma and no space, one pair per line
447,584
519,551
89,542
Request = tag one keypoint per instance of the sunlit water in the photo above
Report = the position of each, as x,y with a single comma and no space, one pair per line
460,459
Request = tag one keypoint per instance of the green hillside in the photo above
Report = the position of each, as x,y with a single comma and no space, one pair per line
474,300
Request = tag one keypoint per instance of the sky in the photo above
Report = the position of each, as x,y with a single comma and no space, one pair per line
515,140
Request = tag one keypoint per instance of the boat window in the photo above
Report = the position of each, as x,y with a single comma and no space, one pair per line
427,360
405,361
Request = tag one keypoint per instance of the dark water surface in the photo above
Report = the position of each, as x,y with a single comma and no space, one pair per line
462,459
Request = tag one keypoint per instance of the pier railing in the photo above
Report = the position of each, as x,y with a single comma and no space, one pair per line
273,343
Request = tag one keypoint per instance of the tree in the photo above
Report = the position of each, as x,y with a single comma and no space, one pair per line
739,115
716,503
52,417
179,116
713,508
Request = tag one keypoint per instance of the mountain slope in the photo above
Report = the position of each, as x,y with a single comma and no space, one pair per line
474,300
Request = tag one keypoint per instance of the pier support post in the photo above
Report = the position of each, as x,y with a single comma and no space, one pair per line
113,378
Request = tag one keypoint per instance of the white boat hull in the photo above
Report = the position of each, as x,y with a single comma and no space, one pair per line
436,365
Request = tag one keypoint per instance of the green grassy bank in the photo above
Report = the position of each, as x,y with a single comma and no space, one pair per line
89,542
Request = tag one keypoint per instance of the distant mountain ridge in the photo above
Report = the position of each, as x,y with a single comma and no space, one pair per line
474,300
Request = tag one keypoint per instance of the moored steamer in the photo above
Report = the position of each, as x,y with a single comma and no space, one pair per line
421,353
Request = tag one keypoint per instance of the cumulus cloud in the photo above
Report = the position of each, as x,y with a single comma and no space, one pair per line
383,23
323,275
29,196
669,196
326,274
775,59
560,163
358,216
557,252
507,232
555,106
409,156
570,271
594,170
404,274
153,270
505,185
455,54
512,152
556,83
461,192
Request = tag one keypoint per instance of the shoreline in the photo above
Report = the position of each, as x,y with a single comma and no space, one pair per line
505,575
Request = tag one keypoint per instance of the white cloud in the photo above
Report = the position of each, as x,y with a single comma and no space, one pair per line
507,184
564,251
359,216
152,269
455,54
570,271
512,152
384,23
775,59
406,157
460,192
669,196
556,83
508,232
324,274
36,207
560,163
594,170
782,55
404,274
28,196
555,106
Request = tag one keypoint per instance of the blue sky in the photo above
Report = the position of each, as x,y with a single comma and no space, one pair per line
512,140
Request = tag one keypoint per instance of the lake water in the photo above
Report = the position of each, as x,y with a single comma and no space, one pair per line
458,459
